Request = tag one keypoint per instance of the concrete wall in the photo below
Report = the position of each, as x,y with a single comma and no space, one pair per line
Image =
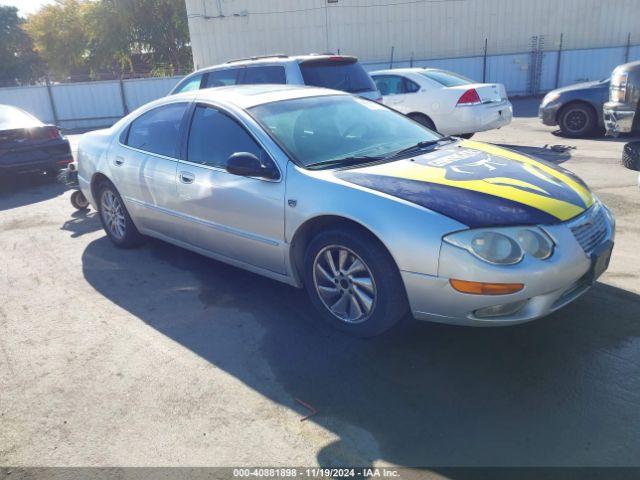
429,29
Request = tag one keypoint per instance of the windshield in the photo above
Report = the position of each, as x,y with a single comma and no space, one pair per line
317,130
348,76
11,117
448,79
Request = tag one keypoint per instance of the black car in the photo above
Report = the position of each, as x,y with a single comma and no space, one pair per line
28,145
576,109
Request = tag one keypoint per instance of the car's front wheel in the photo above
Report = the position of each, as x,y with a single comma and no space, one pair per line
354,282
577,120
115,218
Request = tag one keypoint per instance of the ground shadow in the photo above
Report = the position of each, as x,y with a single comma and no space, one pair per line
563,390
82,222
26,189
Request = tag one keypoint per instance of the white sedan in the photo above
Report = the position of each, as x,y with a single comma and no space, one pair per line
445,101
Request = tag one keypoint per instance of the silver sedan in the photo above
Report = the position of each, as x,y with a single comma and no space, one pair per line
374,214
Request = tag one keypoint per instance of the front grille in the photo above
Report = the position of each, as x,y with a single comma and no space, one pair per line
591,228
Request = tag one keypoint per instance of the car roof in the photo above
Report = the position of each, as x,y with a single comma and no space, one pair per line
247,96
272,60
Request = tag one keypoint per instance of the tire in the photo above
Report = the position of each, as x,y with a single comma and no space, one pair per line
577,120
631,156
374,295
423,120
115,218
79,201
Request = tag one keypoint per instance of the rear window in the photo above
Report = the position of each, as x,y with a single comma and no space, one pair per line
346,75
448,79
11,117
268,74
222,78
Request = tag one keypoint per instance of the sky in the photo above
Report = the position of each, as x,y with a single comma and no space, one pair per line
26,6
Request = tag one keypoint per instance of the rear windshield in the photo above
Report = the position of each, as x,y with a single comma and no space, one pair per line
448,79
11,117
346,75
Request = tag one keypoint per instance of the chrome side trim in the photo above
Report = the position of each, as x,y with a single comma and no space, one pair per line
206,223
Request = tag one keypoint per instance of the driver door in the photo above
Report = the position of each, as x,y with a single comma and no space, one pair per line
240,218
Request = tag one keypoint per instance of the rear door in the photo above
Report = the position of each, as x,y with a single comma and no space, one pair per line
240,218
145,163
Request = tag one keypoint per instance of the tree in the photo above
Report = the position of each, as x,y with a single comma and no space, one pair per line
60,36
20,63
161,29
110,38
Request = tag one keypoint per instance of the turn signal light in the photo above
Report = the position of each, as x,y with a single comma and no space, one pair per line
482,288
470,97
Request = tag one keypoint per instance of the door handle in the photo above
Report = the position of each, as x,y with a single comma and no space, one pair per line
118,161
187,177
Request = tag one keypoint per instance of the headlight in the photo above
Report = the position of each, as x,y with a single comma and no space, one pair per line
550,97
618,87
503,246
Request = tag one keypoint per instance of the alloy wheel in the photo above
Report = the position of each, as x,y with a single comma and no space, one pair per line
344,283
112,212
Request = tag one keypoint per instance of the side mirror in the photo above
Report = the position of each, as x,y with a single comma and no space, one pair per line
246,164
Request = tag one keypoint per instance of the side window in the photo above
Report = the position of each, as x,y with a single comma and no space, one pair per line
389,84
191,84
410,87
272,74
222,78
157,131
214,137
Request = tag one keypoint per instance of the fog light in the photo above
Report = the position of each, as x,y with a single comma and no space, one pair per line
500,310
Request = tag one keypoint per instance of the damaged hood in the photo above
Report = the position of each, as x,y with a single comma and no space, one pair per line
479,185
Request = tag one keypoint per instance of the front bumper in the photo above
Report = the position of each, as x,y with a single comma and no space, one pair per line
549,284
548,113
618,118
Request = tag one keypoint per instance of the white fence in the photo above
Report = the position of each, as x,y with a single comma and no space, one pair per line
87,104
98,104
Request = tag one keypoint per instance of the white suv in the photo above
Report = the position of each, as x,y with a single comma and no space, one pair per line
338,72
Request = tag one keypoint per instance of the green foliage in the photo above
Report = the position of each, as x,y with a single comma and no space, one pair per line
19,62
59,36
82,37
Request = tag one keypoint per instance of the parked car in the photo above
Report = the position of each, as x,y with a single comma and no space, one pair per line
444,101
339,72
576,109
373,213
28,145
621,111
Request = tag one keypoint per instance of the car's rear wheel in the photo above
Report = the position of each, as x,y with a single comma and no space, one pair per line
115,218
631,155
354,282
577,120
423,120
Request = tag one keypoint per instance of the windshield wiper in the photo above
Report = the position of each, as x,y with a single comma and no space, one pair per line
353,160
421,146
